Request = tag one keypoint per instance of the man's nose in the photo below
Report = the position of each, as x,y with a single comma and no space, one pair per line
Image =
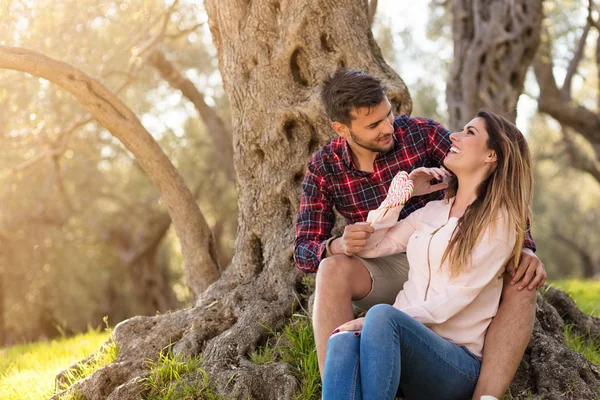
388,127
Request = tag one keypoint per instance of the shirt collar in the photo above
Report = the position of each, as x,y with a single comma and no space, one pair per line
347,155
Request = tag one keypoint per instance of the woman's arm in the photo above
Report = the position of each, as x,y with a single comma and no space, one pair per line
390,236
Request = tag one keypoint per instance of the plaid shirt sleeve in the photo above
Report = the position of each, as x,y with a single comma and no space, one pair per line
529,243
315,221
438,142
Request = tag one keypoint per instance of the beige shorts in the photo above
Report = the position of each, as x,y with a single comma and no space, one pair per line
388,275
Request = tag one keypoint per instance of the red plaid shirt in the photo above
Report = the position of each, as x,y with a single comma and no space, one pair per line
332,180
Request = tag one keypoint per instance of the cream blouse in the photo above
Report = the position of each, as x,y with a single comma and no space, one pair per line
458,308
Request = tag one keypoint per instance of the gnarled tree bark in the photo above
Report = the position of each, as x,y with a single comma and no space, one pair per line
494,44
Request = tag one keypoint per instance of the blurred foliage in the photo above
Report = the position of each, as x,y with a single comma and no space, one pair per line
401,52
565,205
70,222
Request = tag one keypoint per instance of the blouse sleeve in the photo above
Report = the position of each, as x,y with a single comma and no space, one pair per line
391,236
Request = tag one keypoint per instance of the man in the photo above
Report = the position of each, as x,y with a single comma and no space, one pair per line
352,173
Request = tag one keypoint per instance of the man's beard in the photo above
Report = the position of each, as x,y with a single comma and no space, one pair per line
372,146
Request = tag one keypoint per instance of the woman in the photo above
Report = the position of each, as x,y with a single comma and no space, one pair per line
428,345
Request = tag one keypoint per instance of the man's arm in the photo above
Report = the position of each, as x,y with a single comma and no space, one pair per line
315,221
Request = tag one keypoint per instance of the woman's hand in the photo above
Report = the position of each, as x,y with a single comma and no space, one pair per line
354,325
422,176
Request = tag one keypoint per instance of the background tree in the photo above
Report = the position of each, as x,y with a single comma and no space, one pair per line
83,211
578,113
494,44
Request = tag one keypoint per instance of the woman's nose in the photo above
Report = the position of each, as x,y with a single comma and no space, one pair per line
453,137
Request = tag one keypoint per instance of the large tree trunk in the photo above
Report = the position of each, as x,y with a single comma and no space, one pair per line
197,243
273,57
494,44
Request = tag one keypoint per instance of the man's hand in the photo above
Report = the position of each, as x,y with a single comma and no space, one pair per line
530,273
354,239
422,176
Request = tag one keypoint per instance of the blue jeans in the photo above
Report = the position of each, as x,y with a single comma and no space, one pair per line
397,354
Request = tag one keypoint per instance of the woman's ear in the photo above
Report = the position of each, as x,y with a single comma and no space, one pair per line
492,157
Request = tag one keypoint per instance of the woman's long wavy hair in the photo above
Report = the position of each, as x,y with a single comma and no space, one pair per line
508,188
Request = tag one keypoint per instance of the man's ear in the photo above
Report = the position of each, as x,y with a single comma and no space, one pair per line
340,129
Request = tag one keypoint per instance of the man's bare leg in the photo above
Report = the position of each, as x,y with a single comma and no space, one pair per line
340,279
506,340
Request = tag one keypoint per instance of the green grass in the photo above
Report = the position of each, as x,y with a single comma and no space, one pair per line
585,293
107,354
589,349
295,345
587,296
299,352
28,371
175,378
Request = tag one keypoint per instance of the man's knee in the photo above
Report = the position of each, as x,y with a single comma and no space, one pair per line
341,273
335,272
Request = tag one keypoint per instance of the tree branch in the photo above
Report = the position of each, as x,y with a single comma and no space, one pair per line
579,158
154,41
184,32
215,127
551,102
574,63
54,150
191,227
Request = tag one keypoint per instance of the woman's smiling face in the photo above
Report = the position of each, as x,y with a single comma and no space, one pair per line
469,151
